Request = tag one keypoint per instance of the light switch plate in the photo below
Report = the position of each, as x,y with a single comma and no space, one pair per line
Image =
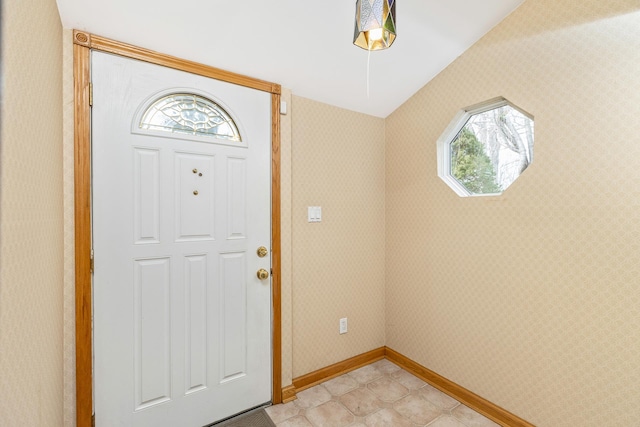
343,326
314,213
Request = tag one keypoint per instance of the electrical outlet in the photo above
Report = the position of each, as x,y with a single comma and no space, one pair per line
343,325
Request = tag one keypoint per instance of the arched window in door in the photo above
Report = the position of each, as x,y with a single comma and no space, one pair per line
191,114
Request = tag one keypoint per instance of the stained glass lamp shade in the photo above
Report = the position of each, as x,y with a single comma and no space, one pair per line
375,24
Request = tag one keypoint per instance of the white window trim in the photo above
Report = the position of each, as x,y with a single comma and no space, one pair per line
449,134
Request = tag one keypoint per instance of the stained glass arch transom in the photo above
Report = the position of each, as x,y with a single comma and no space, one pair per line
191,114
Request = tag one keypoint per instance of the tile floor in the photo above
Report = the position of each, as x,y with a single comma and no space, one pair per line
379,394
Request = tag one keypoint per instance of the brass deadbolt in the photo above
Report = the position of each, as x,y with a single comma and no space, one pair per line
262,251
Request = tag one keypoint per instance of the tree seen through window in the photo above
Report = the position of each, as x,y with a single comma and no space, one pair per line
492,149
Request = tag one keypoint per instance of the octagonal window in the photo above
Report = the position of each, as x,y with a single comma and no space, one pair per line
486,148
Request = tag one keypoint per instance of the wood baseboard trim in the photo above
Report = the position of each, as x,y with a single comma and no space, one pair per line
313,378
461,394
288,393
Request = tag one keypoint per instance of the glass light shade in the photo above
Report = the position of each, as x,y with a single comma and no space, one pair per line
375,27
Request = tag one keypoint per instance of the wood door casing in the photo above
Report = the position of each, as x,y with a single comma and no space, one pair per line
83,44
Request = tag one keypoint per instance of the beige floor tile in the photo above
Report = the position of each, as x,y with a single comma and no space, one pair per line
341,385
446,421
380,394
330,414
387,418
416,409
360,402
279,413
438,398
387,389
366,374
313,396
385,366
408,380
471,418
297,421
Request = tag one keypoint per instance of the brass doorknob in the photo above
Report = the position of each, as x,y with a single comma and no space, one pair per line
262,252
263,274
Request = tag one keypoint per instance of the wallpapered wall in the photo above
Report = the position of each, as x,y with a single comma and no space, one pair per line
338,264
31,215
530,299
69,292
527,299
285,241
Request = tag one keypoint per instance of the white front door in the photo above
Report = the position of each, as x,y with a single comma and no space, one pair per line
182,323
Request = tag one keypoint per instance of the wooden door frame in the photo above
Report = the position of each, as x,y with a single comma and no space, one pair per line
83,44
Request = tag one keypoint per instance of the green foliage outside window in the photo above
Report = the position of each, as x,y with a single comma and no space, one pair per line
485,148
471,165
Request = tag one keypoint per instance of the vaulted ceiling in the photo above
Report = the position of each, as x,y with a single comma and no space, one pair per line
304,45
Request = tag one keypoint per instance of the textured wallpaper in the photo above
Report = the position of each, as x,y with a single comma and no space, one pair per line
338,264
31,216
285,240
69,292
530,299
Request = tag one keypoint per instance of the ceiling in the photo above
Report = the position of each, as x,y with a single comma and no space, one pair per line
304,45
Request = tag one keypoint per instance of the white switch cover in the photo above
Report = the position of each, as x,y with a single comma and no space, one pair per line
314,213
343,325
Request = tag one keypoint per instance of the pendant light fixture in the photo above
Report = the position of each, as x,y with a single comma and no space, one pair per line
375,24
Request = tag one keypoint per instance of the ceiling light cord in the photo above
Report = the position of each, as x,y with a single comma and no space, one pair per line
368,68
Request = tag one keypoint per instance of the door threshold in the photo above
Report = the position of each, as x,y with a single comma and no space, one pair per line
254,417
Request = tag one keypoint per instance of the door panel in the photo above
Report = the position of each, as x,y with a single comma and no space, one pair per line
152,335
195,217
232,316
181,322
146,196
